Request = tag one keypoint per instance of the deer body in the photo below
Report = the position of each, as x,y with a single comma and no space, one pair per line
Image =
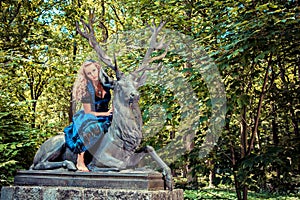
125,133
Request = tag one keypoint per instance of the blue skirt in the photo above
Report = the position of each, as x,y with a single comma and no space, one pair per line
85,130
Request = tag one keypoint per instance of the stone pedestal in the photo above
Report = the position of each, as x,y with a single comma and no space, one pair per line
64,185
79,193
126,179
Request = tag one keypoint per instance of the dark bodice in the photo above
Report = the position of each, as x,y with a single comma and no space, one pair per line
98,104
101,104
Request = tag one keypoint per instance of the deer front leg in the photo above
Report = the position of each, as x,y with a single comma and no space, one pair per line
166,169
55,165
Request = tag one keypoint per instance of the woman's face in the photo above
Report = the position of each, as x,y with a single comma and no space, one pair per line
92,72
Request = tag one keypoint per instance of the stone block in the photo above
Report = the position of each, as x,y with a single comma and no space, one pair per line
80,193
95,194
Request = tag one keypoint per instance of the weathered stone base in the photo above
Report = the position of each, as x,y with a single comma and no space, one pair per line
126,179
79,193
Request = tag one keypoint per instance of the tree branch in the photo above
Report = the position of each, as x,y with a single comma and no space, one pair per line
89,34
254,133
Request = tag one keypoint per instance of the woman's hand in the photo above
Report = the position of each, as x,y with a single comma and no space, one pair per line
110,112
87,109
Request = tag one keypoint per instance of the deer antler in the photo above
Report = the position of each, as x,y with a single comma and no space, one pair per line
154,45
89,34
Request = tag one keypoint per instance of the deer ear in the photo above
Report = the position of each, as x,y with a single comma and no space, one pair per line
105,79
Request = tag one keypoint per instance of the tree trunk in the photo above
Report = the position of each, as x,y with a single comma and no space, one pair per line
294,120
274,127
236,182
244,133
212,174
33,114
262,94
245,192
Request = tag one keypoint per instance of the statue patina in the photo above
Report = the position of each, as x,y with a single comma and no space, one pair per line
120,147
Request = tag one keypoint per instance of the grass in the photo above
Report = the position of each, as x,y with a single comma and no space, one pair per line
229,194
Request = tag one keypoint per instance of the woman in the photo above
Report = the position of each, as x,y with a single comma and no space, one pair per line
89,124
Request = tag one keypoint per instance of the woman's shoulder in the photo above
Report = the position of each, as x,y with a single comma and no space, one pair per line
86,98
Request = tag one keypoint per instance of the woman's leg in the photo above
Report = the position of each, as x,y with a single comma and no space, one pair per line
80,163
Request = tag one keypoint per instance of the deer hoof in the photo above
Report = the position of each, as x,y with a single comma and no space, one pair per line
69,165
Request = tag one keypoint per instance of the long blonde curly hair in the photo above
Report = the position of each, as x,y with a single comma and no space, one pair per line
80,84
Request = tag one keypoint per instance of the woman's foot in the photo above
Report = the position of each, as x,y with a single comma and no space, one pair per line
82,168
80,163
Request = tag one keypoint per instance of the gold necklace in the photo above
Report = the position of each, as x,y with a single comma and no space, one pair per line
98,90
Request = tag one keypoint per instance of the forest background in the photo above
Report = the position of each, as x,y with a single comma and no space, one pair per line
255,45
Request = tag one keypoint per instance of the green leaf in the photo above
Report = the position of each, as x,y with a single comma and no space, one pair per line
8,163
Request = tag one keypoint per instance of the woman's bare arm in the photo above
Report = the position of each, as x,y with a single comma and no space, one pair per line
88,109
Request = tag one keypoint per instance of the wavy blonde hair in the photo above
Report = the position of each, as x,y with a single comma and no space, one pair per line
80,84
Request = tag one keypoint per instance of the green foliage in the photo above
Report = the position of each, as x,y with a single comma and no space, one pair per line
269,170
18,154
229,194
256,48
34,82
18,142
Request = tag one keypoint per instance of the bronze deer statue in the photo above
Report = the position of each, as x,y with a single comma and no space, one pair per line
119,147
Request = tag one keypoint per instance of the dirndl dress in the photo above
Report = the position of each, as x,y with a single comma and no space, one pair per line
86,129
